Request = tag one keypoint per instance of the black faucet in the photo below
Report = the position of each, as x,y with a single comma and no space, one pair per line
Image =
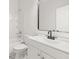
50,35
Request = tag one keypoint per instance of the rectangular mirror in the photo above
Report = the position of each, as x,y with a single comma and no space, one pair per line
47,13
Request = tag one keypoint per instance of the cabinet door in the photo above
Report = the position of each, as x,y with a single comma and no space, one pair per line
33,53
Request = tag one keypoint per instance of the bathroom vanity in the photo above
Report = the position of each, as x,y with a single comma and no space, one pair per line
39,47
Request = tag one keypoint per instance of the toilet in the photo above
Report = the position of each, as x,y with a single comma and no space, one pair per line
21,51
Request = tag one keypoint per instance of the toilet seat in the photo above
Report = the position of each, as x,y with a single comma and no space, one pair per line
20,48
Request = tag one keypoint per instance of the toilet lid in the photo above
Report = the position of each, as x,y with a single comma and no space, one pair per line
20,46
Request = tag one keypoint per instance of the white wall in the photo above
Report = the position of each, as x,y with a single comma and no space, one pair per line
30,17
13,14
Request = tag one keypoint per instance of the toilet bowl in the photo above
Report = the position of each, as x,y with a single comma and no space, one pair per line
21,51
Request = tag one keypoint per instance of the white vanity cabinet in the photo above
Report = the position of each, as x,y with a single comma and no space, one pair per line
38,50
35,53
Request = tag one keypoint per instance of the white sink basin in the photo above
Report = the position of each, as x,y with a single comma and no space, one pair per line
46,39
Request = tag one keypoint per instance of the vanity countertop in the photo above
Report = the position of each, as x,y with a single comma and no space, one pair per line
60,43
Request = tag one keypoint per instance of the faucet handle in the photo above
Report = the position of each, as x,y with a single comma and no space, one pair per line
49,31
